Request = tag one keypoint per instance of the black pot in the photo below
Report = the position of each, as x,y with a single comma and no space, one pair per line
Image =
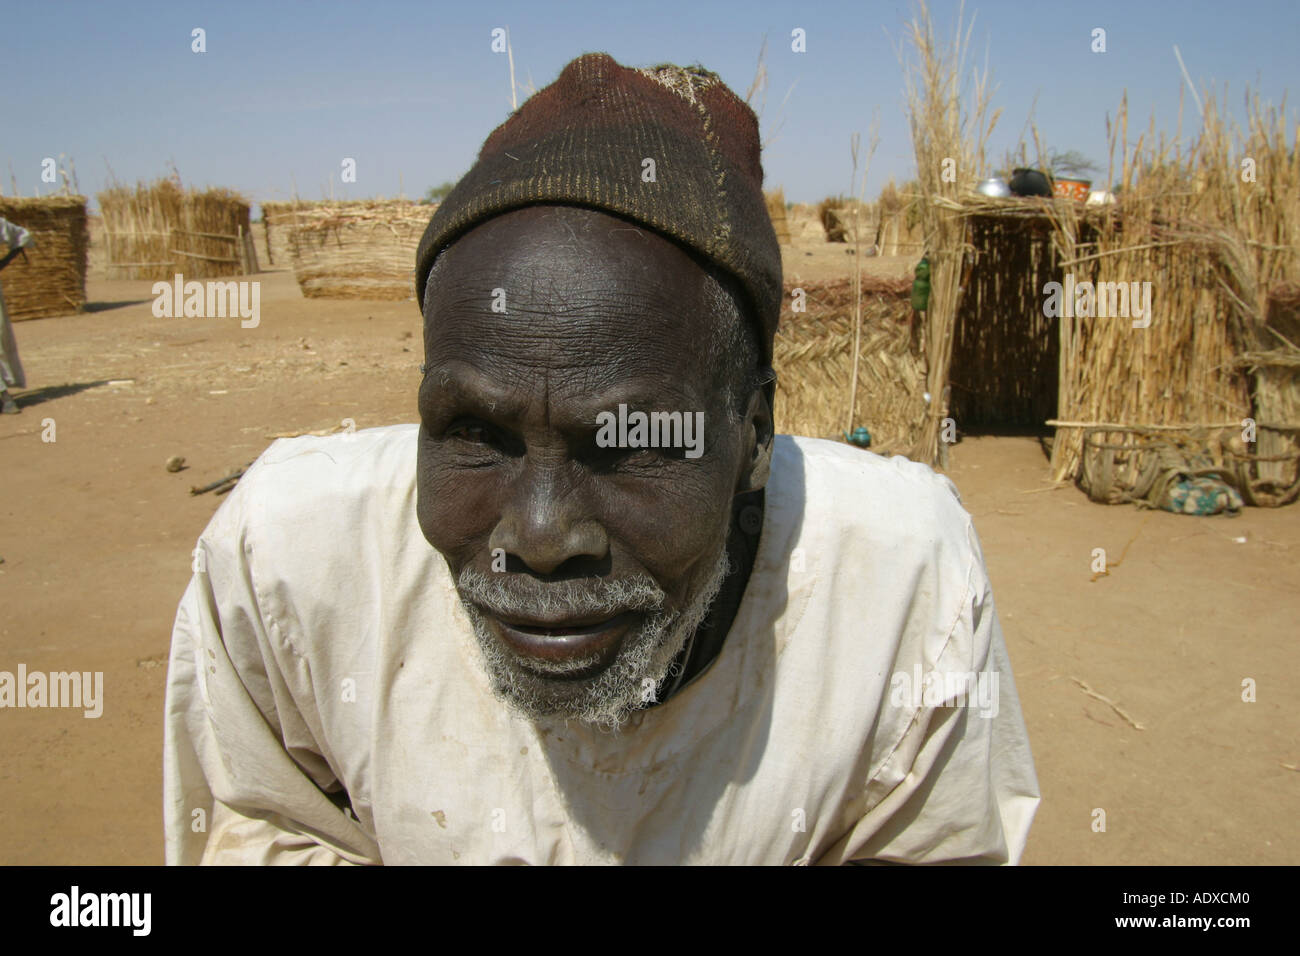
1029,182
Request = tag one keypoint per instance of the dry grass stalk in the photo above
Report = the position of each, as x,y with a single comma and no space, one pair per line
858,227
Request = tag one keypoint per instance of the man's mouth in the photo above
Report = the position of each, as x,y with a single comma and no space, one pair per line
564,647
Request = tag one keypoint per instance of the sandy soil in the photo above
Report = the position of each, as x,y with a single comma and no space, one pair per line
95,535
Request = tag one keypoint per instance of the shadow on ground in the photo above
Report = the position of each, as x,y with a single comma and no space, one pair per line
109,306
38,396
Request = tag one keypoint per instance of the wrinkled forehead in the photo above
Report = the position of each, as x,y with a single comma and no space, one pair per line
570,249
574,267
552,289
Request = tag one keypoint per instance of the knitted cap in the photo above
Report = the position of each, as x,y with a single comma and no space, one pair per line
583,141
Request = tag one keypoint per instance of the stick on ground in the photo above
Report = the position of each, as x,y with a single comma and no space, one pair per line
1106,700
231,478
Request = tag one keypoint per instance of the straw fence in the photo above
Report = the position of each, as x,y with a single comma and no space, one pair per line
359,249
156,231
50,279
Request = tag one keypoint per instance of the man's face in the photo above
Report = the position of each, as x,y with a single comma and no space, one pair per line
583,568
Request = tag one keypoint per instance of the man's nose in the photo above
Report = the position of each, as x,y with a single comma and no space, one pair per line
545,522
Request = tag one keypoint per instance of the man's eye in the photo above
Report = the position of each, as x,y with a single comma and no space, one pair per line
478,434
606,459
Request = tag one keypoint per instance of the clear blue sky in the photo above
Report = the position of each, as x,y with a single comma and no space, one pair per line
410,90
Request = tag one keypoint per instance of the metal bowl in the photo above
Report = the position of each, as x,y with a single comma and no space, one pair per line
993,187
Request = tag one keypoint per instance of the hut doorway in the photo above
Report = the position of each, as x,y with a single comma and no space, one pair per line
1005,371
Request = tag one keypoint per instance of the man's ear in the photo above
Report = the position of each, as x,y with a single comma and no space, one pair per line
757,464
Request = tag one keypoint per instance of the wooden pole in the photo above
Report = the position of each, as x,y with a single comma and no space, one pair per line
254,266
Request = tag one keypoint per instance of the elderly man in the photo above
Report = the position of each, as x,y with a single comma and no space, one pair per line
591,610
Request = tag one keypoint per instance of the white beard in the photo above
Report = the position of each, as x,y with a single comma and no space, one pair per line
643,662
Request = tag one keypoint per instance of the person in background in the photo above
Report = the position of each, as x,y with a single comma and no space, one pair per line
11,369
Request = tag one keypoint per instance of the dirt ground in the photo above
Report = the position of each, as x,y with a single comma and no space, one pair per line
95,537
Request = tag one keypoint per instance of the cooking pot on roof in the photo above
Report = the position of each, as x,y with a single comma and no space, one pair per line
1030,182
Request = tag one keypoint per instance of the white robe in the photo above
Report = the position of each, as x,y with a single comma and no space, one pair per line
320,647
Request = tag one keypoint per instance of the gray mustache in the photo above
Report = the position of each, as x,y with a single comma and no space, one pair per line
524,597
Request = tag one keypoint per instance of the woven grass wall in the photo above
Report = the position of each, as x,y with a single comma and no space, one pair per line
51,278
362,249
155,231
813,358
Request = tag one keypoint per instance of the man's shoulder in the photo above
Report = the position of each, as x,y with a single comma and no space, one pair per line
867,520
854,486
323,481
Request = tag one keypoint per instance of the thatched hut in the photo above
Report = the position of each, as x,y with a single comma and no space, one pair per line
50,279
1030,321
155,231
357,249
1061,319
1123,374
1121,329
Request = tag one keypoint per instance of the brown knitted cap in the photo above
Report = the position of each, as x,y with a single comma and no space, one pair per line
581,142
